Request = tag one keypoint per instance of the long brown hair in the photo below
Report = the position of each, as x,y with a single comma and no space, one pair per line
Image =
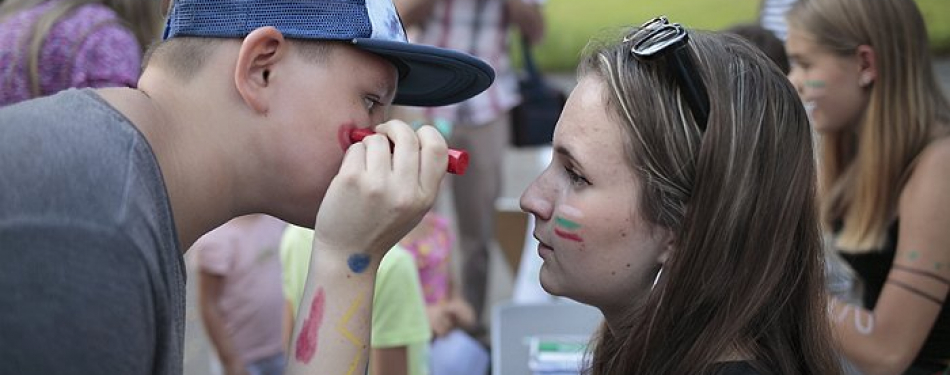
746,274
863,170
141,17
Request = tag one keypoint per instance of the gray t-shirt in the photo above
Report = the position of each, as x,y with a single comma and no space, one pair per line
92,279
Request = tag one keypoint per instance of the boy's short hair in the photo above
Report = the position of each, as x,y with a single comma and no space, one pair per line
767,42
428,76
184,57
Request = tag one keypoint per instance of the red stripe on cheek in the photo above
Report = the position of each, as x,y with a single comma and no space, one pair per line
307,341
567,235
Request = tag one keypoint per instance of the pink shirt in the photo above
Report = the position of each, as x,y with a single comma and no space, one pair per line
245,252
431,245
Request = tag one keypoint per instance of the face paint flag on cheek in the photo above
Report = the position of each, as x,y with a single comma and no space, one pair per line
567,229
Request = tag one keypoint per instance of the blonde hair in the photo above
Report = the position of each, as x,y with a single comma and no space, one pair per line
864,171
141,17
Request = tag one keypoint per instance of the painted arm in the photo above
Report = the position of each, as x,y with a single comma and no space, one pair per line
377,197
209,293
888,339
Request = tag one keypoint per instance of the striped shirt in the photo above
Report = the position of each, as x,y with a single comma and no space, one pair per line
479,28
772,16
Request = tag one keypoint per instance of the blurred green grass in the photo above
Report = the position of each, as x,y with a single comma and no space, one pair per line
572,23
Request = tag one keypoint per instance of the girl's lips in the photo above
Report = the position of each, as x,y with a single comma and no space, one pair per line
543,248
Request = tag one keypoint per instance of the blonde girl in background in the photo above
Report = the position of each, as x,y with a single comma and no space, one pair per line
50,45
864,67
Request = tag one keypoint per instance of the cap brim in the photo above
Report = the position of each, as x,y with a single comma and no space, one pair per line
431,76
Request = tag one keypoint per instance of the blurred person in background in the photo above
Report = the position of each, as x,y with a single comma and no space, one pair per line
50,45
453,351
480,125
772,16
768,43
865,70
240,294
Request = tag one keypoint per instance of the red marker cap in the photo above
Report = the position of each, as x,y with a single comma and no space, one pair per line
458,159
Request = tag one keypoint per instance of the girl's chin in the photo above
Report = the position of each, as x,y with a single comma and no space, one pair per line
549,285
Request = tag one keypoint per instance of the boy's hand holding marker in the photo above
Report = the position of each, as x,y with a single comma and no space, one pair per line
381,192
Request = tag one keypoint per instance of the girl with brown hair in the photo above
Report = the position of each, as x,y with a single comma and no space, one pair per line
864,67
680,201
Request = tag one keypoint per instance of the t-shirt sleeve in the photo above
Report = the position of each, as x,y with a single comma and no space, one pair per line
296,244
399,317
215,253
76,300
109,57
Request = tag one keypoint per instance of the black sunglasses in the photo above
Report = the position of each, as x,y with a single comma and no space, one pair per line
660,38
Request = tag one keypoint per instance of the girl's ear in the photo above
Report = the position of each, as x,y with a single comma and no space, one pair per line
669,245
867,60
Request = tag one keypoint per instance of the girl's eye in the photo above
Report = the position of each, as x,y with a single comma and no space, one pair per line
575,178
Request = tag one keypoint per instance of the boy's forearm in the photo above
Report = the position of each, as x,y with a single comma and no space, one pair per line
331,331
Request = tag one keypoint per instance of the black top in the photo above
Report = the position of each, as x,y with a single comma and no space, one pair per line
873,267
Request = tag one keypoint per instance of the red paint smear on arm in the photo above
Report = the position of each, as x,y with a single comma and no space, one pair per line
567,235
307,341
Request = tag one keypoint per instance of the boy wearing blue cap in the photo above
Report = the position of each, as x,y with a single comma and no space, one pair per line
244,108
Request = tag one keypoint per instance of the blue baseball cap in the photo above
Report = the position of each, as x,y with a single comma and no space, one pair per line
428,76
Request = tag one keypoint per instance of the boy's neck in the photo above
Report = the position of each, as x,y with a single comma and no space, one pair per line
197,176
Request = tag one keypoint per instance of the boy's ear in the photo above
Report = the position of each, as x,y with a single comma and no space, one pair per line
260,51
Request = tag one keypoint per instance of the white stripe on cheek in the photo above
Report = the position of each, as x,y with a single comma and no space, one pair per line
571,211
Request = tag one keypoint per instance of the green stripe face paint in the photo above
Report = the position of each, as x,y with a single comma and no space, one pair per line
567,229
566,224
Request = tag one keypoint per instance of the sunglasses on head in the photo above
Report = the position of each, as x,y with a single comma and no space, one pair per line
659,38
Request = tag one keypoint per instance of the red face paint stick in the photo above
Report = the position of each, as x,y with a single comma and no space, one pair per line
458,159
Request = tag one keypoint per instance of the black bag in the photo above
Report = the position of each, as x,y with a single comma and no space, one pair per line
533,121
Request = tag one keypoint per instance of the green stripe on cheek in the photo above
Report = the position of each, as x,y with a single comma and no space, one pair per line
567,224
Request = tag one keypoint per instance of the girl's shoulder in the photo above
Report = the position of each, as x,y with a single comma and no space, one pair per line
928,182
932,162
